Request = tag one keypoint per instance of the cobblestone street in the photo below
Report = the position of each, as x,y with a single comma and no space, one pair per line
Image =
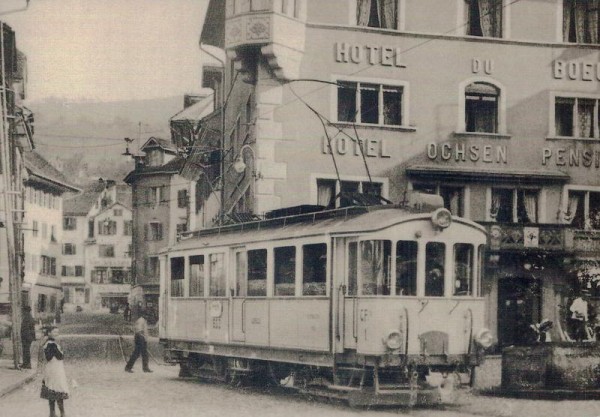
103,389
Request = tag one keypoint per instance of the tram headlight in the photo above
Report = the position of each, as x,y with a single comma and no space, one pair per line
441,218
483,337
393,340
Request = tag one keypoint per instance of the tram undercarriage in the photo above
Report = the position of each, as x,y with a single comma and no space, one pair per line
358,380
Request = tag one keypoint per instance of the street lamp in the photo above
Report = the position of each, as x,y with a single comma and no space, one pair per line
240,166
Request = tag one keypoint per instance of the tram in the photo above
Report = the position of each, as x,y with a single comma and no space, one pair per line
366,304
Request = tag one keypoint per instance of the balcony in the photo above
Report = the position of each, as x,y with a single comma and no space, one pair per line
517,236
276,27
584,242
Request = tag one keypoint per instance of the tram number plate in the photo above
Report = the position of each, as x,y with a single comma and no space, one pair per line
215,309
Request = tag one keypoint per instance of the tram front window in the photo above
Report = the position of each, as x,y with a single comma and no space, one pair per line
434,269
375,259
406,268
463,269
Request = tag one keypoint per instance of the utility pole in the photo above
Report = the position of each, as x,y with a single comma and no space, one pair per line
8,192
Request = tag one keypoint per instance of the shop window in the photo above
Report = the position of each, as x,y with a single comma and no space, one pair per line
454,196
375,256
352,268
377,13
484,18
576,117
257,273
106,251
464,269
406,267
69,249
580,21
369,103
285,270
328,191
216,275
514,205
583,209
481,108
177,276
314,269
434,269
69,223
197,276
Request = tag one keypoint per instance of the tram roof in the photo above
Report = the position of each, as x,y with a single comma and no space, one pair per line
330,222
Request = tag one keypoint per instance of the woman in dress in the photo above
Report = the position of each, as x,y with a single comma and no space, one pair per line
55,387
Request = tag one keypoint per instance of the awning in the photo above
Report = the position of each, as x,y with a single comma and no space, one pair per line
438,172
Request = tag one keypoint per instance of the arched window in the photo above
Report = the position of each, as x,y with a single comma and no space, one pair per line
481,108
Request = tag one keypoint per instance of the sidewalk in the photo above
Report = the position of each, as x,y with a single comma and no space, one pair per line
12,379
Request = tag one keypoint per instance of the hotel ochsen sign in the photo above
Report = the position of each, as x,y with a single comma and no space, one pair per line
462,152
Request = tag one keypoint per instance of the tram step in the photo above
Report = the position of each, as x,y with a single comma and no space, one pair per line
343,388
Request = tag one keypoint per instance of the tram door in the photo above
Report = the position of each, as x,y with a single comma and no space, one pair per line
240,266
519,305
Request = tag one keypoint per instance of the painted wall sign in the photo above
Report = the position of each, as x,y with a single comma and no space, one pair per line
372,148
576,70
571,157
372,54
461,152
482,65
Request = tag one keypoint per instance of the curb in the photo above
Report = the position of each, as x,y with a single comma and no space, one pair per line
11,388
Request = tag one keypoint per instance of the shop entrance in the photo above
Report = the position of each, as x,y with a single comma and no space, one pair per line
519,305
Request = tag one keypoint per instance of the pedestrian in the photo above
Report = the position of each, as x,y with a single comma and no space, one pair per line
141,344
127,313
579,317
27,336
55,387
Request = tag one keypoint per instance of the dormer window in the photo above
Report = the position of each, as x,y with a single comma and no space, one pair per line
154,157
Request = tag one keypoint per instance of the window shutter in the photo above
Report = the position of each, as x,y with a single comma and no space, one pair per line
160,231
145,232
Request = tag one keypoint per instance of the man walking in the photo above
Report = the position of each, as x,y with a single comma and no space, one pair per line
141,344
27,336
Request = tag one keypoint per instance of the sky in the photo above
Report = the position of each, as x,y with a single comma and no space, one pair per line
108,50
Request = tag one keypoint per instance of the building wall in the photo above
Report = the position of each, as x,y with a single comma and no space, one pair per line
74,287
37,244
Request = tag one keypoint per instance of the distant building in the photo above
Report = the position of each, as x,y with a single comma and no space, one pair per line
43,234
96,266
160,211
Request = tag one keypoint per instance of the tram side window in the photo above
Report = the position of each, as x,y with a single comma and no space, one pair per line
352,268
177,275
216,275
257,273
375,258
285,270
406,267
314,269
434,269
197,276
463,269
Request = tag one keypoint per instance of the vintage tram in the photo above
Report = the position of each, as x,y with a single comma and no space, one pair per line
366,304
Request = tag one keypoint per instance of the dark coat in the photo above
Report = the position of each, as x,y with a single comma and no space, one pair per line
28,328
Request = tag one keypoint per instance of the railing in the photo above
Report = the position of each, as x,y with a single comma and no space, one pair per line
517,236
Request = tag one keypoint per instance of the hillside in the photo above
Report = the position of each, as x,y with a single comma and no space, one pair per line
85,139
